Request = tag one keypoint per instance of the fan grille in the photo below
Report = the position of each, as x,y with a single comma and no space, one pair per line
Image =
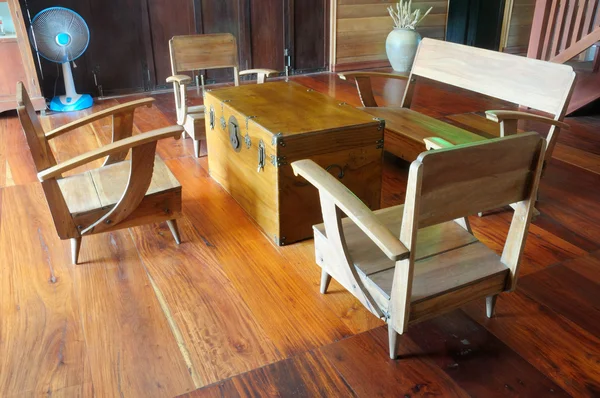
61,34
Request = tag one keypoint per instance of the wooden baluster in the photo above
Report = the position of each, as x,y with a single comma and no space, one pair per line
558,28
590,12
567,31
539,28
551,27
581,7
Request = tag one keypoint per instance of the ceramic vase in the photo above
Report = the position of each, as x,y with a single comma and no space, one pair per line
401,47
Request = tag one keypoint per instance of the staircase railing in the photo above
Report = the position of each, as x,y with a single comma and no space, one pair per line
562,29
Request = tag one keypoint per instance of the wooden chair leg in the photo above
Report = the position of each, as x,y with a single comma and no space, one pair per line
394,341
325,280
75,247
197,148
174,230
490,305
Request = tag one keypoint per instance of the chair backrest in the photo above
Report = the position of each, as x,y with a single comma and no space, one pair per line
447,184
34,133
536,84
43,159
210,51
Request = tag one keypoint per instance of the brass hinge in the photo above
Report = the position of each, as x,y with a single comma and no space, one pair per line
278,139
278,161
279,241
379,144
381,123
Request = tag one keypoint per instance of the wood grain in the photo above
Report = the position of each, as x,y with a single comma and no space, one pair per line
40,313
218,330
363,25
306,375
171,310
554,345
123,325
227,227
567,293
468,353
377,375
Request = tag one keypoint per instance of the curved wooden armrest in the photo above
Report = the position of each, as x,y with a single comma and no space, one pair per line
501,116
436,143
115,110
114,147
363,84
266,72
261,74
346,75
179,79
356,210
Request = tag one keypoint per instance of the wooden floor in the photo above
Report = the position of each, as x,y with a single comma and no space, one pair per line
227,313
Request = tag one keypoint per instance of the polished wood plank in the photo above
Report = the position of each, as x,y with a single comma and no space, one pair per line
41,334
305,375
128,339
218,331
245,254
468,353
227,301
567,293
377,375
563,351
302,258
15,169
541,250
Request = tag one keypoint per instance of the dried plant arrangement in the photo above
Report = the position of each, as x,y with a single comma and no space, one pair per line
404,17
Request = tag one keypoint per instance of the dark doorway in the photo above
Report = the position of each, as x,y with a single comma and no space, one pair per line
475,23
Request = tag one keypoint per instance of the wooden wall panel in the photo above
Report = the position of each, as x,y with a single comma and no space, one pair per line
223,16
362,26
519,27
267,34
309,36
167,18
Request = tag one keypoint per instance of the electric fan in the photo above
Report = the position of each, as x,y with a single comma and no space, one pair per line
61,35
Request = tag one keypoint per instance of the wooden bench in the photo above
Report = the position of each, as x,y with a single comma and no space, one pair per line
541,86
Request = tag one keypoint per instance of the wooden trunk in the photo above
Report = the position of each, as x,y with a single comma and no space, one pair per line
279,123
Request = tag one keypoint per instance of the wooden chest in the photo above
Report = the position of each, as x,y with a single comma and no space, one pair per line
255,131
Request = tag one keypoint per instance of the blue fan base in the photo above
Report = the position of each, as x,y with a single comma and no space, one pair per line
84,102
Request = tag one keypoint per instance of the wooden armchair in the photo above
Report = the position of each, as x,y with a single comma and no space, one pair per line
538,85
415,261
120,194
197,52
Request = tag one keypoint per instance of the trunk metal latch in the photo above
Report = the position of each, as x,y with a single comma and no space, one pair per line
261,156
234,137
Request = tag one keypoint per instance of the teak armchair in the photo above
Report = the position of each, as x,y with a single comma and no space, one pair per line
120,194
538,85
196,52
412,262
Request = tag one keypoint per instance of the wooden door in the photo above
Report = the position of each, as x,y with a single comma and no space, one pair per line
267,36
117,53
165,19
307,34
